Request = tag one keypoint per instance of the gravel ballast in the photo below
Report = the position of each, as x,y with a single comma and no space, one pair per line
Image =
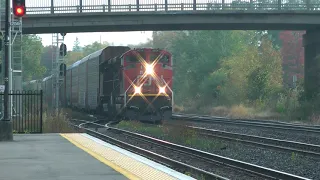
283,161
210,167
304,137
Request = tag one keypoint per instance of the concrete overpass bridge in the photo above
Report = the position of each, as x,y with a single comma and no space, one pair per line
52,16
49,16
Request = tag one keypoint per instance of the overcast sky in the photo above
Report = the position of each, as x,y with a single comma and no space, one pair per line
118,38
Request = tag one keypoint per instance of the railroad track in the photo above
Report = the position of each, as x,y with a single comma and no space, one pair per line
291,146
234,167
250,120
252,123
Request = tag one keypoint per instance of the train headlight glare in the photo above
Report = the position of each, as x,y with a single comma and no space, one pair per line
162,90
137,90
149,69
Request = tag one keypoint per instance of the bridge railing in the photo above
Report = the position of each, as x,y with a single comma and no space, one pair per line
90,6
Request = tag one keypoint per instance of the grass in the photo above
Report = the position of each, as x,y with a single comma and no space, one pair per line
51,123
174,133
58,122
315,119
235,111
240,111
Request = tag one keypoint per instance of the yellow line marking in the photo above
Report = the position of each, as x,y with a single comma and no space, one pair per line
103,160
148,95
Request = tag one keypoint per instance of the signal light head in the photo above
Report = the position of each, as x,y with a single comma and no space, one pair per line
19,11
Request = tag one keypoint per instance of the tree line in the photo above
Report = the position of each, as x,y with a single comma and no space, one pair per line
211,68
78,52
262,70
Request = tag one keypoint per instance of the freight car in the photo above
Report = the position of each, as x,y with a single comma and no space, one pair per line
48,91
32,85
120,82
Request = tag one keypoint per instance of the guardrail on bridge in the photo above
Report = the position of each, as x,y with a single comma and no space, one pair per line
91,6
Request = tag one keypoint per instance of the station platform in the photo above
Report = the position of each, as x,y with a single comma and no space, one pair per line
75,157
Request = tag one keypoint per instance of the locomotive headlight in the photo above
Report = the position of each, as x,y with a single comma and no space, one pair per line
137,90
162,90
149,69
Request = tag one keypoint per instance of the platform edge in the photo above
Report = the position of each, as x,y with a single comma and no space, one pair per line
141,159
103,160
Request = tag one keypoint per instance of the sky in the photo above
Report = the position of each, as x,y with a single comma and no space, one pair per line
117,38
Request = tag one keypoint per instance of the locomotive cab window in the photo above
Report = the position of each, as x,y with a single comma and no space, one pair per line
132,59
164,59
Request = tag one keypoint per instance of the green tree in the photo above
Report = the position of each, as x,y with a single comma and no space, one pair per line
197,54
88,49
163,39
254,74
149,43
76,46
31,53
72,57
49,54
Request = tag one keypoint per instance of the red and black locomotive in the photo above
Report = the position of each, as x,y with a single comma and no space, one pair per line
121,82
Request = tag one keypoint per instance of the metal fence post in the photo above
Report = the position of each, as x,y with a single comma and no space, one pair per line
41,108
308,4
52,7
138,5
109,5
80,4
223,3
194,5
166,5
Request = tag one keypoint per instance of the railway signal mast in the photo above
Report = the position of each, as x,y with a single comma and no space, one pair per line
19,10
58,66
10,24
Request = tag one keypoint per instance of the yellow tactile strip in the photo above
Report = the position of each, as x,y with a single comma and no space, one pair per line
125,165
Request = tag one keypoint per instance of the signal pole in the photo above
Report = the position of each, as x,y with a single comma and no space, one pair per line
6,62
6,125
58,70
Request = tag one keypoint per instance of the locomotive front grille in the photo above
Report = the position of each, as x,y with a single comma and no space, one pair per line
151,104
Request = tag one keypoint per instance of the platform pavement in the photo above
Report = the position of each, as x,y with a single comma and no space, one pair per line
50,157
76,156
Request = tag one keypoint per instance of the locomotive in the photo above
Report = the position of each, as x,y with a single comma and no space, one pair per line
134,84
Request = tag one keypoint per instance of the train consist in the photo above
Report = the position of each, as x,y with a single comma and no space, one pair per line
119,82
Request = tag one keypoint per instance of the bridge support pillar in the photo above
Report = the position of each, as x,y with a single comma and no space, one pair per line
311,43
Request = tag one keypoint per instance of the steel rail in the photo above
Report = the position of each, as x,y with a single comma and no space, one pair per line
244,166
298,147
251,168
244,119
151,155
223,120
